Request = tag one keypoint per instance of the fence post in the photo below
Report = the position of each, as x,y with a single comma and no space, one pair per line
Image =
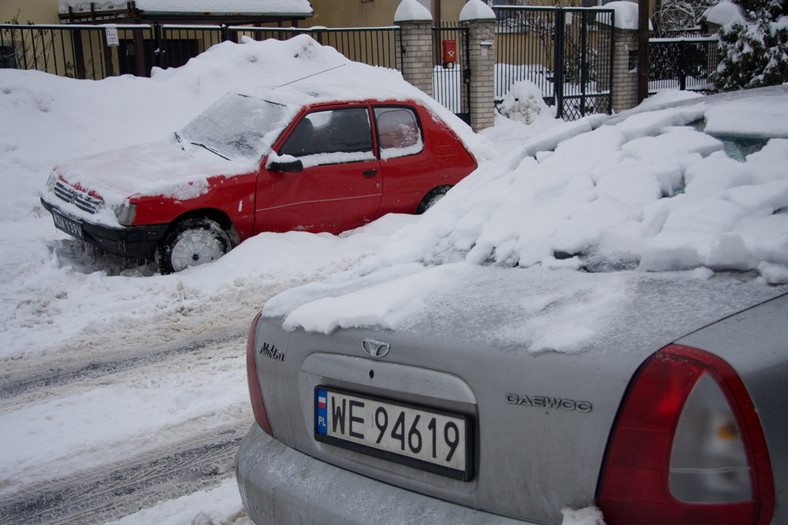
107,55
625,72
558,62
481,22
683,69
415,47
139,45
160,58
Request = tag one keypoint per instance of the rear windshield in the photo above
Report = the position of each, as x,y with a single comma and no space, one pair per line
237,126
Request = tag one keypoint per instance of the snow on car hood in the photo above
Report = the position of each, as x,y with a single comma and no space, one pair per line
603,210
164,168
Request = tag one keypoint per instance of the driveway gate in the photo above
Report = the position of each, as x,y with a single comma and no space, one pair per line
566,52
451,73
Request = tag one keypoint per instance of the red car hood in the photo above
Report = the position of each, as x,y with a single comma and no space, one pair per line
158,168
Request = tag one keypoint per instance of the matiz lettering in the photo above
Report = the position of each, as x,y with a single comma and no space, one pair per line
272,352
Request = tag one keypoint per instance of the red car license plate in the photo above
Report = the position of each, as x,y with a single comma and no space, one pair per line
68,226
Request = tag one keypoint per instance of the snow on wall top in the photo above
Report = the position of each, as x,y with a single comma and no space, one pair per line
268,7
476,10
412,11
626,15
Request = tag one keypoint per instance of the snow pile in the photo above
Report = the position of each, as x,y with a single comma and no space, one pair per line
586,516
54,289
651,192
724,14
524,103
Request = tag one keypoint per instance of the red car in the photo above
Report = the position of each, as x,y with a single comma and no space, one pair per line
248,165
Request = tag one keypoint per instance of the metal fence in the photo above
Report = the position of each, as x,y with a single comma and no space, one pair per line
683,63
77,51
566,52
98,51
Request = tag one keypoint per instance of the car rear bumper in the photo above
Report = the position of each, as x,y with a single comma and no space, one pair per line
281,485
137,242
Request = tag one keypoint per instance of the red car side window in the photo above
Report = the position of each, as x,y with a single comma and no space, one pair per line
399,133
344,130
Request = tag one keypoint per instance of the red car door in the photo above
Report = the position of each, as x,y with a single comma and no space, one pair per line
333,180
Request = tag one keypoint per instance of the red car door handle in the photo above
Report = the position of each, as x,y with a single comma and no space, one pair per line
370,173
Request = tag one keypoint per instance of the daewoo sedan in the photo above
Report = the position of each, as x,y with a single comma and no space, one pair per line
248,165
556,340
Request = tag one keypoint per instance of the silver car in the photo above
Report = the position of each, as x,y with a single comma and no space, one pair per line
522,395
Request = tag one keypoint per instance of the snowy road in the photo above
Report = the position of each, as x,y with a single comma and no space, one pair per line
134,469
115,490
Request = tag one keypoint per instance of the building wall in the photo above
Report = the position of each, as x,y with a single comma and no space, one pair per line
329,13
373,13
24,11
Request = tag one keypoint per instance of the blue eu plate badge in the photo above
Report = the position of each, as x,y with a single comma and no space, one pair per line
322,413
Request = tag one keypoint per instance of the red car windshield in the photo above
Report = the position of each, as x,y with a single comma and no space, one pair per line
237,126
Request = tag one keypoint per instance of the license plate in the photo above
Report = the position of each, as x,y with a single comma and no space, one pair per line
433,440
68,226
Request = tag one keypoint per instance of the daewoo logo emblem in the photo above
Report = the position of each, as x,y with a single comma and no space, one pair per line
375,348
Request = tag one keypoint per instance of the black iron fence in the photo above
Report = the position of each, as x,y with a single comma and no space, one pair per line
77,51
683,62
566,52
98,51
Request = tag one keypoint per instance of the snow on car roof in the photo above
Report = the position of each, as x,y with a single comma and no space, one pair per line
300,71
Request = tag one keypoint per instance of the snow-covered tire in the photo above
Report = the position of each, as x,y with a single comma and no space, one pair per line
192,242
431,198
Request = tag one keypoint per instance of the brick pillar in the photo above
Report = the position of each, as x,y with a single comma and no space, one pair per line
481,47
415,48
625,72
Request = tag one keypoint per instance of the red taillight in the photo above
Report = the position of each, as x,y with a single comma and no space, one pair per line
688,447
258,408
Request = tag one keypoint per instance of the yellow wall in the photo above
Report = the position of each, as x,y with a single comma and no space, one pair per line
329,13
24,11
375,13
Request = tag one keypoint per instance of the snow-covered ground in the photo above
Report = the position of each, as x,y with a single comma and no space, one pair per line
600,198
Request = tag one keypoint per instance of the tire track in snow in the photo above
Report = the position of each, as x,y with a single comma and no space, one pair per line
115,490
12,388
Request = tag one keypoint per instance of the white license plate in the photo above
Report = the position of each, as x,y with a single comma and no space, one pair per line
68,226
432,440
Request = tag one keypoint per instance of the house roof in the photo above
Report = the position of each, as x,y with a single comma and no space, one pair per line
185,9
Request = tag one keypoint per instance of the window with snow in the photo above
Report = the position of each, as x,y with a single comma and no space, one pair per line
399,133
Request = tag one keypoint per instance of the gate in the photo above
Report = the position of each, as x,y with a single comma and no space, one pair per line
566,52
451,74
683,62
